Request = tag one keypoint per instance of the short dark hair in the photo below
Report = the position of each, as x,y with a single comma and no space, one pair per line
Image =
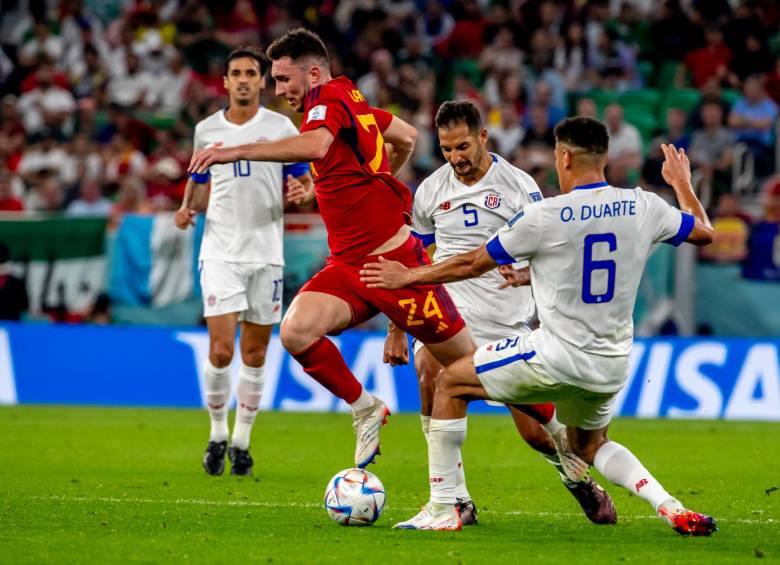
297,44
455,112
249,52
583,133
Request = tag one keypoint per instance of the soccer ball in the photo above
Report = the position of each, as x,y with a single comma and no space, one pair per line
354,497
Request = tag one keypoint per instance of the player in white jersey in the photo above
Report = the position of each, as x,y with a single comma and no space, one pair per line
241,256
455,209
587,250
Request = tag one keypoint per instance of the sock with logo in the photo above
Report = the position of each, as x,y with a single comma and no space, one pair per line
621,467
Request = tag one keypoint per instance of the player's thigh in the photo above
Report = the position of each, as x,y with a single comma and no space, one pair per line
313,315
458,346
222,336
264,288
223,286
253,342
460,380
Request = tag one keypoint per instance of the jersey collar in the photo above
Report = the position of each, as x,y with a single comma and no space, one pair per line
592,185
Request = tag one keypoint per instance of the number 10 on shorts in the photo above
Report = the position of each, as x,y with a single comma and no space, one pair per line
429,310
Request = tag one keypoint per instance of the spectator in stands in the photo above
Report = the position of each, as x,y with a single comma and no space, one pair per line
763,260
538,141
541,69
122,158
676,135
46,196
9,202
753,117
753,58
90,78
502,55
710,61
47,106
571,58
543,96
586,108
773,82
711,149
129,89
43,42
710,92
13,292
382,74
90,202
613,63
45,156
625,145
732,229
167,92
131,198
507,134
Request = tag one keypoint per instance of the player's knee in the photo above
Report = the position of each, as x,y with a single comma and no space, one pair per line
254,356
294,335
221,352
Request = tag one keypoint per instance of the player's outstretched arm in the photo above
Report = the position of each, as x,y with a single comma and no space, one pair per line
677,172
308,146
402,136
392,274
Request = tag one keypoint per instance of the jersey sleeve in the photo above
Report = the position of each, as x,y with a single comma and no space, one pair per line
199,143
519,239
422,223
383,118
671,225
529,192
325,110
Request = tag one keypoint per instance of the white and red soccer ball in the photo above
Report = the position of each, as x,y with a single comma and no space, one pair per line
355,497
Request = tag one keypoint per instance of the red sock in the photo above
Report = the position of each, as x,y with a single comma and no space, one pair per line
323,362
542,413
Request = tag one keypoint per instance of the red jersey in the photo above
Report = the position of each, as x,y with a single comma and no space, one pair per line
361,202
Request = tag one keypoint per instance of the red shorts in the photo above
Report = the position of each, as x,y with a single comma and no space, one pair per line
425,311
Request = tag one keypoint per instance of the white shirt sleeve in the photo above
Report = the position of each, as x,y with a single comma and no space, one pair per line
519,239
670,224
422,223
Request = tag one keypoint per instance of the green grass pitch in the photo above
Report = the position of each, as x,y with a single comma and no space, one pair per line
92,485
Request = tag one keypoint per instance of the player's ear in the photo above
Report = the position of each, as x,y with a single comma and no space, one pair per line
315,73
225,82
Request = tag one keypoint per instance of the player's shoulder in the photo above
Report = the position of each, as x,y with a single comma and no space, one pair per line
515,176
433,182
210,122
274,118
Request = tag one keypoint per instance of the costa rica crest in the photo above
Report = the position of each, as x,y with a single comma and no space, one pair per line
493,200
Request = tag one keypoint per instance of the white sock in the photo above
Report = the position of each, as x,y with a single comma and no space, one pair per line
553,426
248,393
365,400
217,385
444,442
461,492
621,467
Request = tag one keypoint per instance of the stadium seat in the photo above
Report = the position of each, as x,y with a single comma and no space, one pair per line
648,98
602,98
730,95
684,98
643,120
666,76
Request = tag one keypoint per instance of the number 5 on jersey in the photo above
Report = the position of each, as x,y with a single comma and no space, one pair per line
429,310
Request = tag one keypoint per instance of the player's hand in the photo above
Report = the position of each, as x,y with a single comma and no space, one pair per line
384,274
396,348
184,218
297,192
204,158
676,168
514,277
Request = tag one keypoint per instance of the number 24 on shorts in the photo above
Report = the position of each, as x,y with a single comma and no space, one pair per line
430,309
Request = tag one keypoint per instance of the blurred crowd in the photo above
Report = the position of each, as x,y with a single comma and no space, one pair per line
98,98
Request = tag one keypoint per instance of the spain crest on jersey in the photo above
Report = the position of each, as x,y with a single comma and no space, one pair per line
493,200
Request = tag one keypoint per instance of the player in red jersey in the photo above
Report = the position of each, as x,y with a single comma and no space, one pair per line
366,213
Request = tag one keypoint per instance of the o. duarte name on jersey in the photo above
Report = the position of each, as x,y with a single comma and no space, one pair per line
596,211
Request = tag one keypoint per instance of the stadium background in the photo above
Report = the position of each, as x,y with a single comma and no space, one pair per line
98,104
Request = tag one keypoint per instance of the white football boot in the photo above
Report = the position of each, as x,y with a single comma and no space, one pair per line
367,424
575,468
434,517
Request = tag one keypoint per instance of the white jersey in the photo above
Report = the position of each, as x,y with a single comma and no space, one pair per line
459,218
244,217
587,250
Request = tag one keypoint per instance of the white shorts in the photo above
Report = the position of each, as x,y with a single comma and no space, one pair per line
253,289
511,372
